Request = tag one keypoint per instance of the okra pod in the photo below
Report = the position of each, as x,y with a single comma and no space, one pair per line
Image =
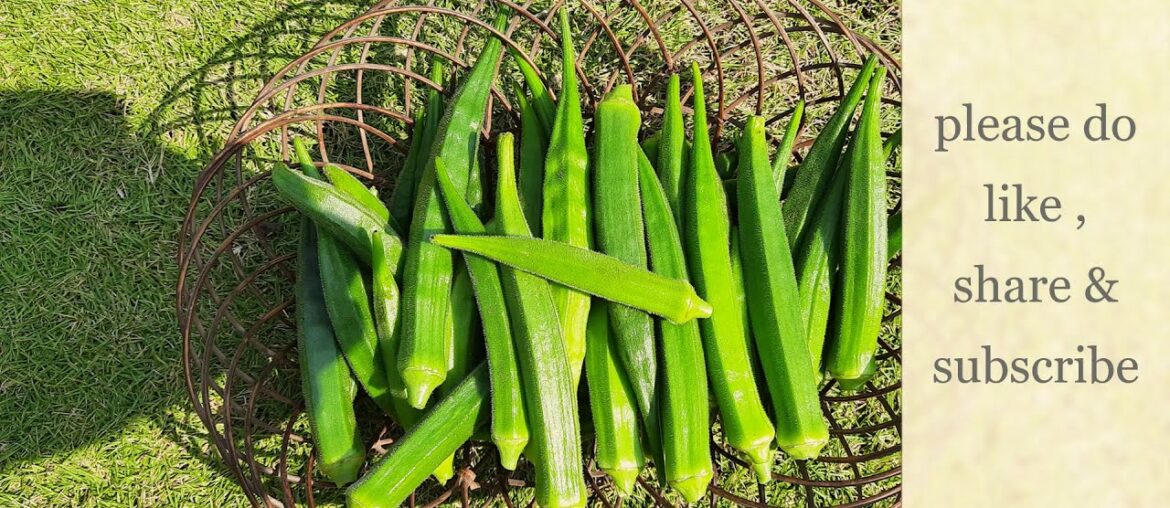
784,151
682,388
892,143
725,165
650,145
816,266
611,401
818,166
542,102
671,157
347,301
402,196
385,302
354,188
708,240
565,215
464,346
864,249
335,213
617,216
894,242
549,390
462,326
771,286
422,359
426,122
509,425
894,238
410,459
588,271
326,382
533,147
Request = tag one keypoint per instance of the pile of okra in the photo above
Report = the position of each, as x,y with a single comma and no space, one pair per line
662,270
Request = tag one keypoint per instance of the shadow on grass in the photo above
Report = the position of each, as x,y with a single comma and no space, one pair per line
91,206
86,242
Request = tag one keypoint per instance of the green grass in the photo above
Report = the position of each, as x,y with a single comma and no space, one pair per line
110,109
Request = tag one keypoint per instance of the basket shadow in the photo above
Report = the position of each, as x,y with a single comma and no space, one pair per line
91,207
93,201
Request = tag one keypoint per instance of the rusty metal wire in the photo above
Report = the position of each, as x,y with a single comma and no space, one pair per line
355,92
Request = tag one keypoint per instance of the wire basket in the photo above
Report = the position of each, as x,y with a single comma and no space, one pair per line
355,93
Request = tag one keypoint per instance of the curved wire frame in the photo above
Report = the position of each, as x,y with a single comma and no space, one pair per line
356,92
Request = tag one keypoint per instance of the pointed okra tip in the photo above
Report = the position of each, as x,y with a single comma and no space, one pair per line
693,488
345,470
696,307
805,450
510,450
624,480
763,471
445,471
420,384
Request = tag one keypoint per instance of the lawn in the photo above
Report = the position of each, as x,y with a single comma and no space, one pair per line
110,109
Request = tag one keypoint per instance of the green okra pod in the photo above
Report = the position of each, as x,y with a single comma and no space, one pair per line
549,388
402,196
354,188
326,383
618,231
463,348
770,281
818,165
612,404
344,292
892,143
439,434
335,213
816,266
784,151
671,157
347,301
725,164
864,248
386,302
533,148
565,214
650,145
588,271
426,122
682,388
422,357
509,428
894,242
708,241
740,291
542,103
894,238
